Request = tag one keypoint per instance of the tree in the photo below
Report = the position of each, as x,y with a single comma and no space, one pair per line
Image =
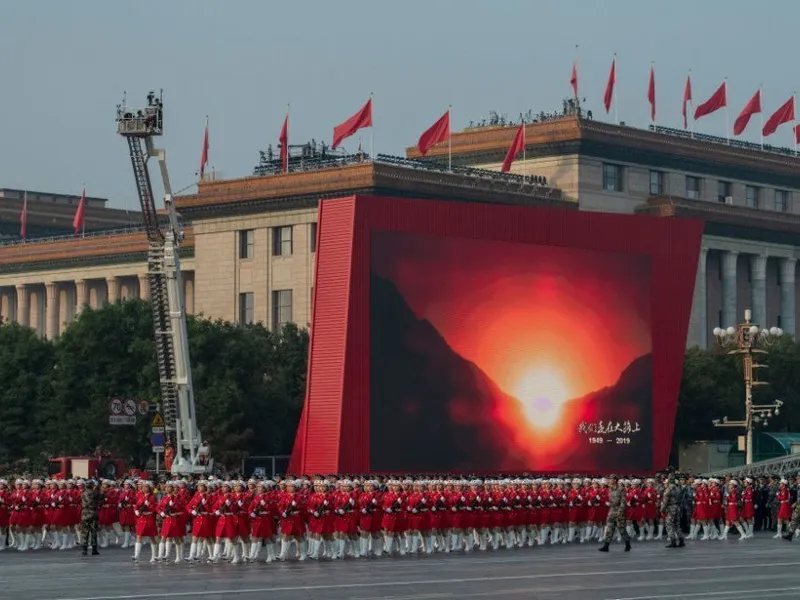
26,362
711,388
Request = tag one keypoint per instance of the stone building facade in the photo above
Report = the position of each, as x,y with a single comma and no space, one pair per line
251,243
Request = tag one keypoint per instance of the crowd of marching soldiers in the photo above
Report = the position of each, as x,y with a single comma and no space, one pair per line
334,518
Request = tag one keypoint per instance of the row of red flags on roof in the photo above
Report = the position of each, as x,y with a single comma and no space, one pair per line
718,100
78,221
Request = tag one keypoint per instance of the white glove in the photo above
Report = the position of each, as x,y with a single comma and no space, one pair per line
263,503
469,509
423,501
363,511
294,503
316,514
163,514
284,514
252,515
570,504
340,511
374,500
414,510
351,501
218,513
399,500
170,503
194,513
204,501
136,512
240,503
52,504
228,502
389,511
505,500
325,503
464,499
147,502
433,509
454,509
517,498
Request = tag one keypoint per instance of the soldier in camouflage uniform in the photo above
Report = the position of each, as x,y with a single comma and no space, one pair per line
616,515
671,504
90,502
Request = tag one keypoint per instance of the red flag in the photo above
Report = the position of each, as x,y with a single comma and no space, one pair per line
77,221
797,134
751,108
687,97
23,218
283,140
785,114
517,146
719,99
438,132
204,153
363,118
651,94
612,79
573,80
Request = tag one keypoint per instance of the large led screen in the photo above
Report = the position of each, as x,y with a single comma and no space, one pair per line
491,356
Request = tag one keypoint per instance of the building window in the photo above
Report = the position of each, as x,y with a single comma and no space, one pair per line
752,194
246,243
656,183
724,193
246,308
282,241
312,232
281,309
612,177
781,200
692,187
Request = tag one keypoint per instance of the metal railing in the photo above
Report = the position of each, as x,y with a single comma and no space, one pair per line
703,137
774,466
95,233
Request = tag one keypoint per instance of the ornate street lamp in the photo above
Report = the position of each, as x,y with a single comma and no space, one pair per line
748,340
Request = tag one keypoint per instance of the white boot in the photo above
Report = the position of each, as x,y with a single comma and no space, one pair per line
724,535
165,549
236,558
216,555
742,534
178,552
284,550
192,551
363,544
137,551
780,532
153,552
255,548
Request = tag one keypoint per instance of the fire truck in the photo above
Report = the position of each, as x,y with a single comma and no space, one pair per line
85,467
140,127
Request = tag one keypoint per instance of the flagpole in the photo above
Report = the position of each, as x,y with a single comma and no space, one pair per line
691,102
616,104
761,112
653,111
83,220
576,77
372,131
288,106
450,138
524,148
794,105
727,116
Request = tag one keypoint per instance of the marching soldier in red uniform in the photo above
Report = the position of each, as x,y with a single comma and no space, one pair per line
417,517
732,508
173,524
439,516
783,498
371,541
201,509
262,521
5,497
319,507
145,512
748,507
226,509
345,527
650,510
244,498
392,505
127,520
292,510
575,502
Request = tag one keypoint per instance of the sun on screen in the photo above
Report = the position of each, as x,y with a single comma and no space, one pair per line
542,392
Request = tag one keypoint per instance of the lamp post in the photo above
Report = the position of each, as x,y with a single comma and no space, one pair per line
748,341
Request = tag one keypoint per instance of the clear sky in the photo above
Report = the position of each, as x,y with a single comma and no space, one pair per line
65,66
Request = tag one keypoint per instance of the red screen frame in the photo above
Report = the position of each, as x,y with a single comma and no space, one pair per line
334,436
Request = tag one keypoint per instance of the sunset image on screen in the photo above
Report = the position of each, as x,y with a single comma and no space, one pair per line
498,356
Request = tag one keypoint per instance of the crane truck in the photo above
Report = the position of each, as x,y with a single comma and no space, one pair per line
140,127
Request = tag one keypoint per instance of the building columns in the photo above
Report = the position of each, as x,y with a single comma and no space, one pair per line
788,300
113,289
5,306
23,305
51,311
81,295
758,288
144,287
698,328
729,261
